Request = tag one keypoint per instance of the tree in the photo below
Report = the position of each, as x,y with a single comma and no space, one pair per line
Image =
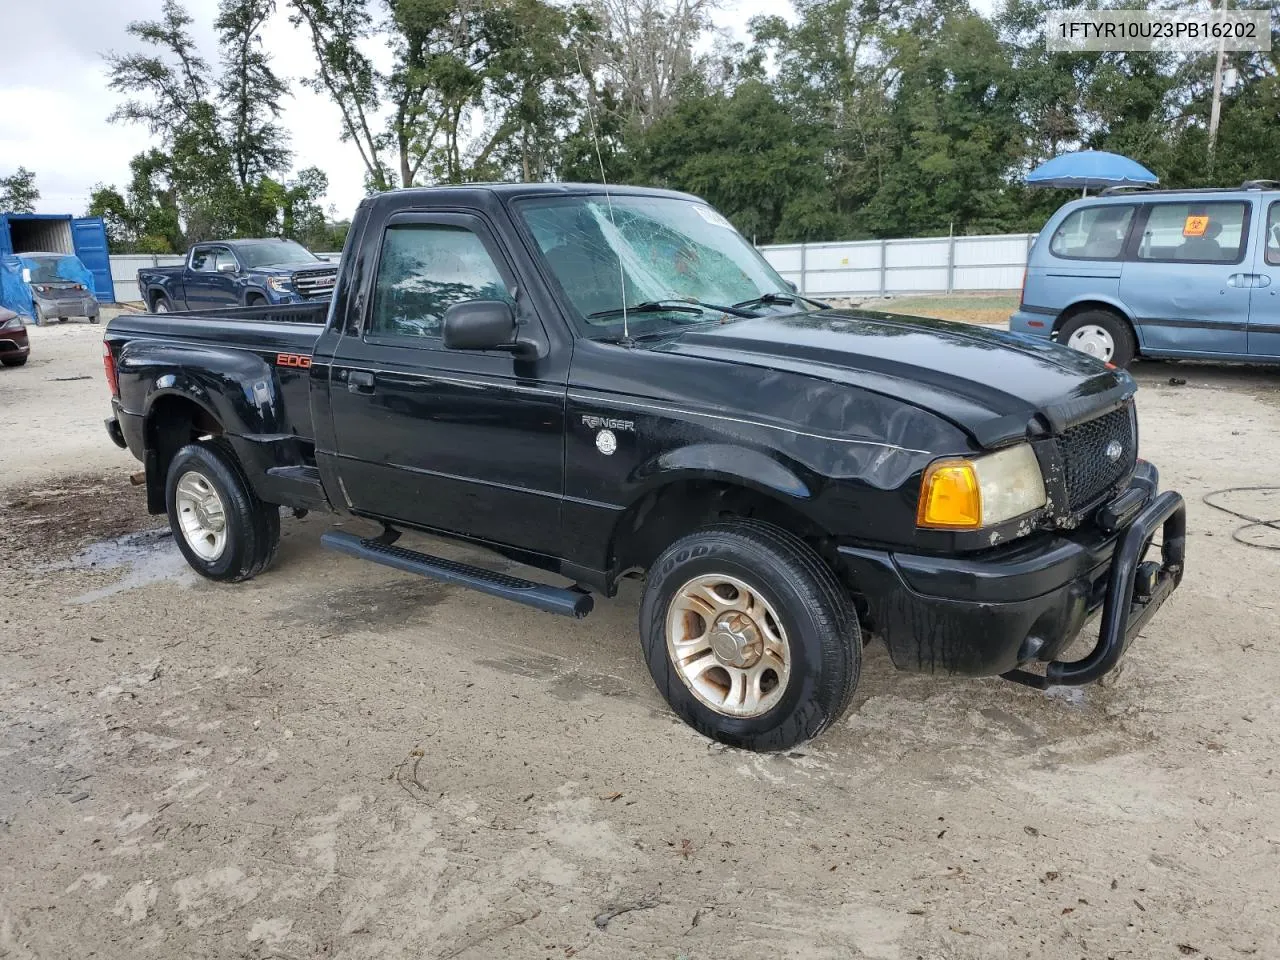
475,89
221,143
769,183
251,91
349,79
18,192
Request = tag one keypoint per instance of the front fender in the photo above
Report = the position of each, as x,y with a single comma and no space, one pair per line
742,466
237,388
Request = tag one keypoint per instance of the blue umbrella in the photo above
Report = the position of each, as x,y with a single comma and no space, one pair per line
1090,168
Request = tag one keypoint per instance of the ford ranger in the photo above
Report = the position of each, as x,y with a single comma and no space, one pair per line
231,273
602,384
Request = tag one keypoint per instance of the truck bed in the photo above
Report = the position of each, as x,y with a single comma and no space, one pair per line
267,331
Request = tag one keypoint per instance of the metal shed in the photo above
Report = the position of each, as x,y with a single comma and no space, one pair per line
86,237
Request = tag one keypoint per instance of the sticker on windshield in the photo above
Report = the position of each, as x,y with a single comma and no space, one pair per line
1195,226
711,216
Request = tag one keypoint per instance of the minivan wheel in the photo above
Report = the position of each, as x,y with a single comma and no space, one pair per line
749,636
1102,335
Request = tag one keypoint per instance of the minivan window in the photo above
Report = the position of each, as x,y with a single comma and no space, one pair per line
1273,235
1093,233
1196,231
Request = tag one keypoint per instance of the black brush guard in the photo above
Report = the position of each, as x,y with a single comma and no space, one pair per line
1135,591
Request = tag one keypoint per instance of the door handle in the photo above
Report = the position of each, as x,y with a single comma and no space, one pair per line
360,381
1262,280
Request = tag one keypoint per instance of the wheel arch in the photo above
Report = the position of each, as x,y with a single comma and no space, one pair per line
173,419
1097,303
682,491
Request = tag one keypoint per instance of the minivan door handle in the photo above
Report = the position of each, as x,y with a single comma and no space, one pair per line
360,381
1249,280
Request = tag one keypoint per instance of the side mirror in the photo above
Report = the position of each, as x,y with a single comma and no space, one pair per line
795,288
226,267
480,325
26,274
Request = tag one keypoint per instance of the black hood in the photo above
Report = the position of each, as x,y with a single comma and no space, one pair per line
990,382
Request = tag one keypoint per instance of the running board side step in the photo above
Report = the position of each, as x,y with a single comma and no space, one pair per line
566,601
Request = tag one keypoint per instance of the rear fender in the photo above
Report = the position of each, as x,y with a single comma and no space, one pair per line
237,391
238,388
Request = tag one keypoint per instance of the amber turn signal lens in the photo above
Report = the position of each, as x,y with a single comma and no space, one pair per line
950,497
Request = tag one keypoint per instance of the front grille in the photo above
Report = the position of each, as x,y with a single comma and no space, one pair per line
1088,470
317,283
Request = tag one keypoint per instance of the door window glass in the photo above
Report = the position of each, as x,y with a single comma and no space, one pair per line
203,260
1093,233
1273,235
425,269
1196,231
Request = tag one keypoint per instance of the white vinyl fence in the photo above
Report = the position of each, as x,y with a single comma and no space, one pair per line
868,268
856,268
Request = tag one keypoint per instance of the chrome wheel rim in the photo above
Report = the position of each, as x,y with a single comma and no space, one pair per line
728,646
202,517
161,307
1093,340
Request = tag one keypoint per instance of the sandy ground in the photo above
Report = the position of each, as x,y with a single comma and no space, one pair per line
338,760
991,308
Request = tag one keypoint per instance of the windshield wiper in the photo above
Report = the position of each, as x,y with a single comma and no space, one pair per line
785,299
672,305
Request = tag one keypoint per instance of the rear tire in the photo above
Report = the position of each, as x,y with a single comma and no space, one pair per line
1101,334
14,361
749,636
225,532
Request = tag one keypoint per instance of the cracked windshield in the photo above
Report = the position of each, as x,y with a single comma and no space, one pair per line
677,261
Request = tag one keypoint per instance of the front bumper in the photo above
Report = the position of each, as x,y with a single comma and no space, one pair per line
1026,603
14,346
49,309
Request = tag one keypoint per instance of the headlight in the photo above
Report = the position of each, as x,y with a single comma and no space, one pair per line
968,494
13,323
280,284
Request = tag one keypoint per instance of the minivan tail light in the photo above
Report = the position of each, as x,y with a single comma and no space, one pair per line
1022,294
109,364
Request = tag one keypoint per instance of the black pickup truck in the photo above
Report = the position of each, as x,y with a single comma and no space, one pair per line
611,384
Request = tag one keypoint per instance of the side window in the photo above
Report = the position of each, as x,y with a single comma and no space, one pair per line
425,269
221,255
1196,231
1093,233
1273,235
203,259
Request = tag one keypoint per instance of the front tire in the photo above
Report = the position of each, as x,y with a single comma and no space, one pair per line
14,361
749,636
161,305
225,532
1100,334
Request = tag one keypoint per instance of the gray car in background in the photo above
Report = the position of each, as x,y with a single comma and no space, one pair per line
55,296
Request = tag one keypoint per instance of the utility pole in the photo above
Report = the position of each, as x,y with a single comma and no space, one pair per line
1216,110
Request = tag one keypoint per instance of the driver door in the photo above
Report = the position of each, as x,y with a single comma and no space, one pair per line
461,441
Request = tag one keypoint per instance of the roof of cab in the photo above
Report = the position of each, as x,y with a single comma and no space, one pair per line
509,191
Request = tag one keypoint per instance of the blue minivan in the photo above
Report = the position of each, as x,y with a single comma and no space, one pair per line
1191,274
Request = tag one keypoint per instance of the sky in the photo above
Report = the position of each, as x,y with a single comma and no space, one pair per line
56,101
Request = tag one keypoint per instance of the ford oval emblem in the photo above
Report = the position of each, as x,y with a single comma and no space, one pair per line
1114,450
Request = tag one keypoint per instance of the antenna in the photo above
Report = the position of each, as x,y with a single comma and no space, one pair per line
595,139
